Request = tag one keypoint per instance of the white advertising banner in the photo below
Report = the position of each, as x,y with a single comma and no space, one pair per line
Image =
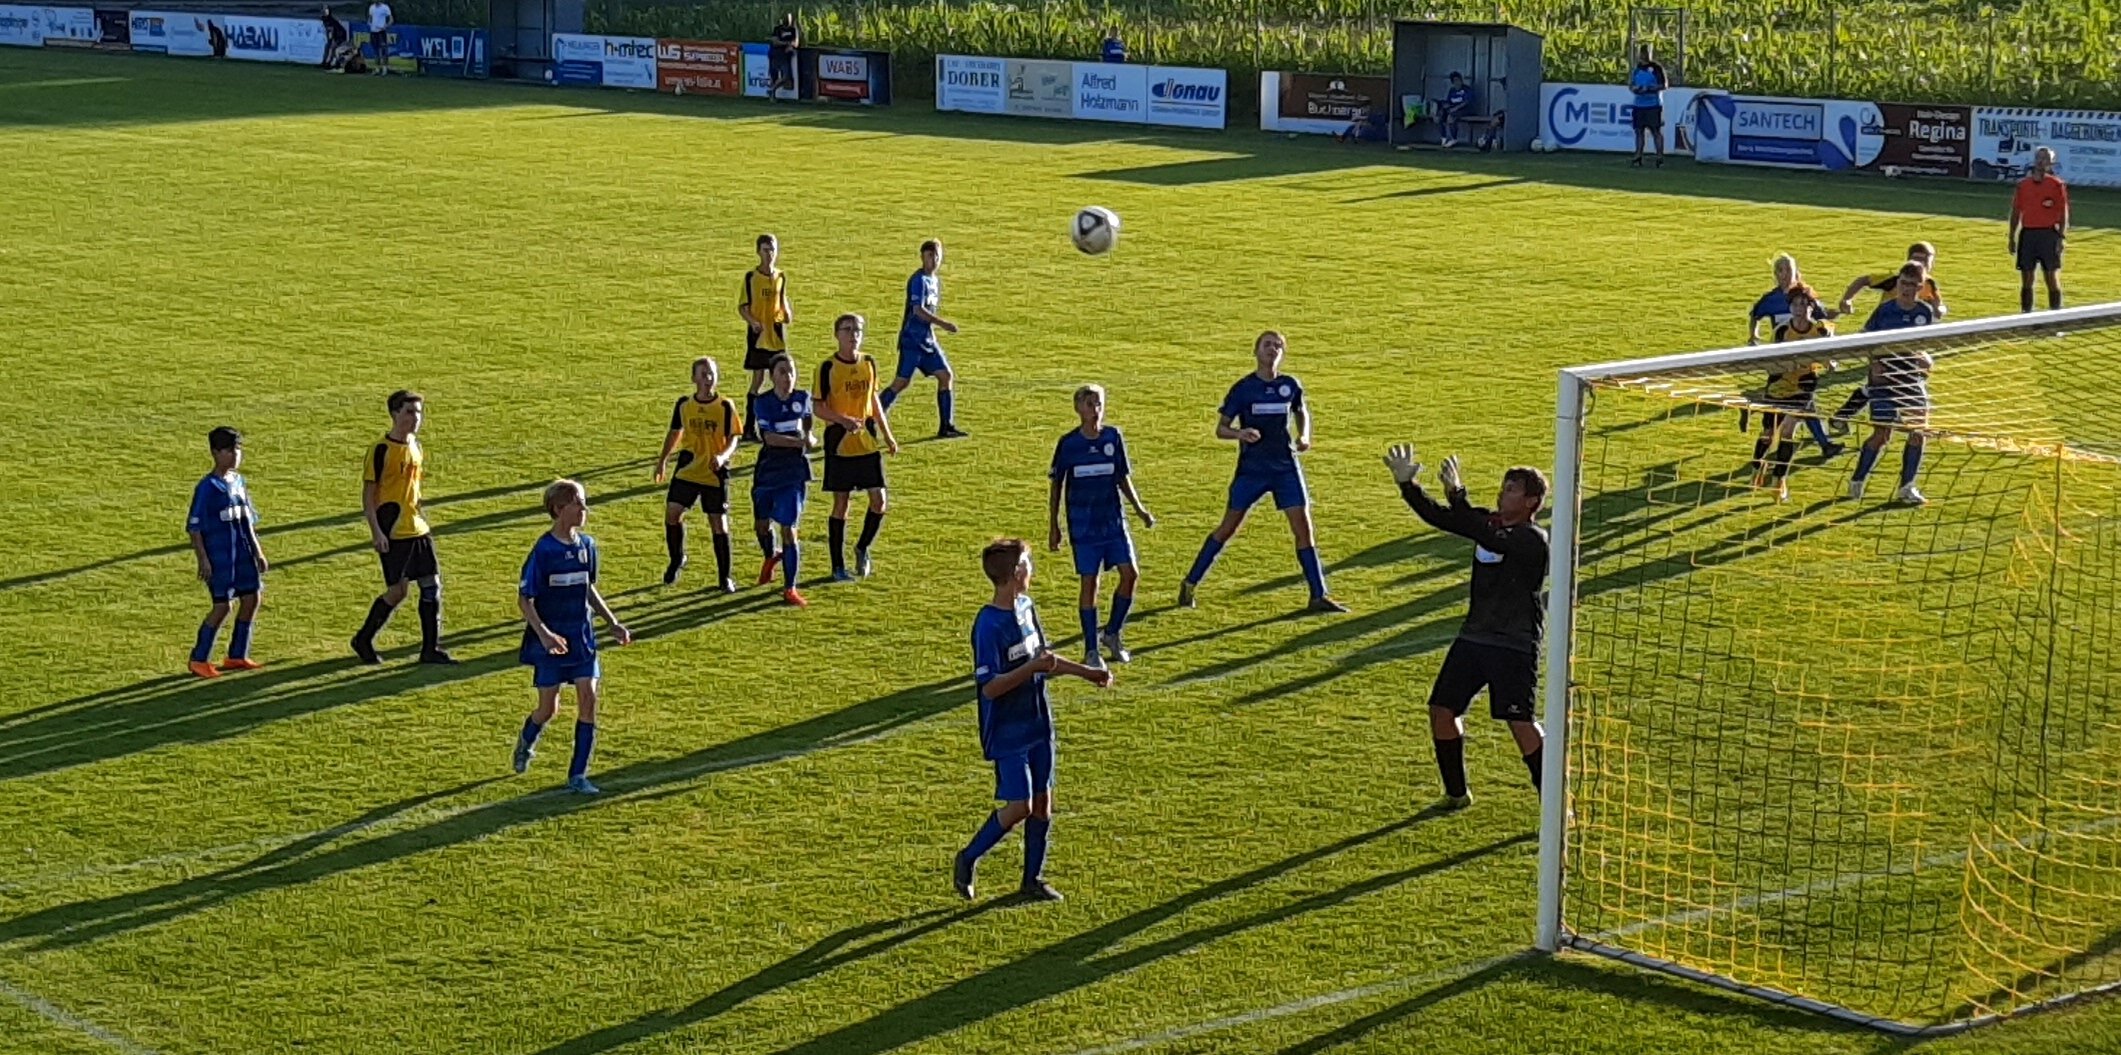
21,27
273,39
171,33
612,62
70,27
2087,144
1602,117
1111,91
1189,98
969,84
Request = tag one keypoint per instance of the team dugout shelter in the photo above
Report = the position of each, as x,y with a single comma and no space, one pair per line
1502,64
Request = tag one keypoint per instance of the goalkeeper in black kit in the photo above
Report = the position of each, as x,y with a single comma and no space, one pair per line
1498,646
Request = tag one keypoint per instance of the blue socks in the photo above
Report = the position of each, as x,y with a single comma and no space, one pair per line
585,741
791,559
1209,550
989,834
532,729
888,396
945,406
1866,460
1036,832
1314,572
1122,603
1910,464
1818,431
1089,618
203,648
239,640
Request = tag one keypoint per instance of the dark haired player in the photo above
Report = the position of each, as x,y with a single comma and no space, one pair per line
763,305
1265,413
917,346
390,502
1899,388
1010,663
223,526
1887,281
1498,646
780,479
1090,469
2039,222
857,432
556,597
706,424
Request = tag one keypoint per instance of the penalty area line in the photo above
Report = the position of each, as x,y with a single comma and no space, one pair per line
59,1016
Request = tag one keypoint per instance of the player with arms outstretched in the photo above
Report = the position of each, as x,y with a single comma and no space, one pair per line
1899,388
1265,413
223,526
857,432
1090,468
1010,664
1887,282
918,350
1498,645
763,305
706,425
557,595
391,475
780,479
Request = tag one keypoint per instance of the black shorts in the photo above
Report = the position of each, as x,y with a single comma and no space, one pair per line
780,62
853,472
714,500
1649,118
2040,247
380,39
755,357
1511,678
409,559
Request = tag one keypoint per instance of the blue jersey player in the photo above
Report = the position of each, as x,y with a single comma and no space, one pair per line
780,479
1899,387
224,536
558,593
1090,469
1265,413
917,346
1010,663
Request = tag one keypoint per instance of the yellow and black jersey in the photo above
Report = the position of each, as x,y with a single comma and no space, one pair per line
850,390
395,468
1886,285
763,297
1795,379
707,429
1786,332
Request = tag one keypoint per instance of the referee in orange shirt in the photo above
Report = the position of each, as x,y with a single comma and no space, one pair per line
2039,222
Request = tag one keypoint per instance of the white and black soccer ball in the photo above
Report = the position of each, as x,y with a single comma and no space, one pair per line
1892,172
1096,230
1539,146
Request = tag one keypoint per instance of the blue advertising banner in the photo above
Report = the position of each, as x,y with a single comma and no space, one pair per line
435,51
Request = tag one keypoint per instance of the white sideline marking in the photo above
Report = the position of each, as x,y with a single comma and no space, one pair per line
71,1021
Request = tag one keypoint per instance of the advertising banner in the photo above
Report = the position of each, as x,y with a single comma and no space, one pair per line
1108,91
1602,117
273,39
1925,140
447,51
610,62
758,73
969,84
699,67
170,33
401,45
2087,144
1319,103
1038,88
114,31
839,74
1835,134
1188,98
70,27
21,27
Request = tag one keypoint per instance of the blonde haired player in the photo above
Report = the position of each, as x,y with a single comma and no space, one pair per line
557,595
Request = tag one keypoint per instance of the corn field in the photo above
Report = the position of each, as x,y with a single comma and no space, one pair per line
2040,52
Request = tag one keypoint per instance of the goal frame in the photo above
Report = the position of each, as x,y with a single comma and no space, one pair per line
1571,403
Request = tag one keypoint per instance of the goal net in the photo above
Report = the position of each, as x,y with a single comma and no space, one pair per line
1855,755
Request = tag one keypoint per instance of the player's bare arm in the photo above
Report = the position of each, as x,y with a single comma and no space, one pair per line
1227,429
1126,488
670,446
554,643
1053,527
603,611
377,537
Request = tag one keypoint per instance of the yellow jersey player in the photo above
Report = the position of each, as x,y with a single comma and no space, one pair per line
390,501
763,305
856,435
704,427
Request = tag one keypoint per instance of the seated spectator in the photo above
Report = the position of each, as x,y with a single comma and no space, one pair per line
1363,127
1451,107
1115,49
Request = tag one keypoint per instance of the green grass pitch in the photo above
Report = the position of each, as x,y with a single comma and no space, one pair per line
320,858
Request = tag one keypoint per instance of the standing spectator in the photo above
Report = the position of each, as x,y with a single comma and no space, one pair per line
1450,108
336,36
380,20
2039,222
1648,82
1114,49
781,57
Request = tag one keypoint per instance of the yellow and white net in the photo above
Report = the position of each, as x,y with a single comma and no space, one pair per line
1857,752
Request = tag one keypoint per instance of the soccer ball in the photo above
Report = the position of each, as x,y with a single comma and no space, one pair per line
1539,146
1892,172
1096,230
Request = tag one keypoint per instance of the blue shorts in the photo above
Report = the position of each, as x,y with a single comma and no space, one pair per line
1104,554
551,672
782,505
1246,489
1019,776
230,582
1899,407
925,356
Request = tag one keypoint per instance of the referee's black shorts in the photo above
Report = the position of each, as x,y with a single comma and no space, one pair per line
2040,247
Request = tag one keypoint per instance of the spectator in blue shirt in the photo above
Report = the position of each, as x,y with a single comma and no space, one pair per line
1648,83
1115,49
1451,107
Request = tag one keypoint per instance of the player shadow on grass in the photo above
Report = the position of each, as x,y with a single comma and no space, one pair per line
530,491
1107,950
160,712
326,854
